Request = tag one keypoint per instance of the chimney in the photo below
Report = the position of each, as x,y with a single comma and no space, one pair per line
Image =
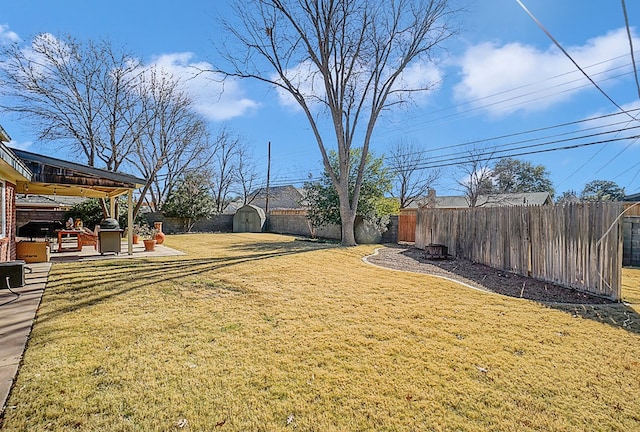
431,198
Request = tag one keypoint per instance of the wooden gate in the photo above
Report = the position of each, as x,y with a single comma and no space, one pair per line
407,225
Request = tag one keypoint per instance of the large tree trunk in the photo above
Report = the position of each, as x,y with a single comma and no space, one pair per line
347,218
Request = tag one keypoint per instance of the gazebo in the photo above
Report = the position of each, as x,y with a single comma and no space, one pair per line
51,176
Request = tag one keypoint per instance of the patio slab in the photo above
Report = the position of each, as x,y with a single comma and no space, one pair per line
17,313
16,318
89,253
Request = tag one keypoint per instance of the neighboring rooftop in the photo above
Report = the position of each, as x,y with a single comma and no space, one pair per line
632,197
47,201
497,200
280,198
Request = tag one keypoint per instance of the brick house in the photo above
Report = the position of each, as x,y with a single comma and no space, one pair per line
12,171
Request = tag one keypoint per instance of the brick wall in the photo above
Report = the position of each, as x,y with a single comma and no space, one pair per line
292,222
219,223
295,222
8,243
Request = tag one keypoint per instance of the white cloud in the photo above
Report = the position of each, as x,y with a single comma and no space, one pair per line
215,99
20,145
620,124
307,79
420,76
502,79
7,36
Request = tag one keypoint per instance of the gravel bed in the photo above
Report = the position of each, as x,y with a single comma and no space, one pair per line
480,276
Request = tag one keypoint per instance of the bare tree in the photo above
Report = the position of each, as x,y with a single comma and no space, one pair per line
173,137
412,181
75,93
224,167
246,175
477,175
341,57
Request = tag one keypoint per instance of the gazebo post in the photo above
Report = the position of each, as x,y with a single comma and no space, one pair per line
130,222
112,207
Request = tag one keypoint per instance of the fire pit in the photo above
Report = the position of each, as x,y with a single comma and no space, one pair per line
436,251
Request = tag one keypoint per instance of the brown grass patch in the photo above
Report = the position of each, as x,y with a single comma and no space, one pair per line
260,332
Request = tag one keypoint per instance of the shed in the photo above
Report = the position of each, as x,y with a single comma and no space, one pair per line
249,218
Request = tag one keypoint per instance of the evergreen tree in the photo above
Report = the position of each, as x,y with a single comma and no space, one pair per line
190,200
323,202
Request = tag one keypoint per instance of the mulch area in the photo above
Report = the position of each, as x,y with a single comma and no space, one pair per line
480,276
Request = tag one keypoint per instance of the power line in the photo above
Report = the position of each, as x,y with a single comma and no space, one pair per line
530,131
616,156
561,48
510,99
633,60
505,150
459,115
493,152
570,147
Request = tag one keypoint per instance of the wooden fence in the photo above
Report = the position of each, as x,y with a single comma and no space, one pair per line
632,209
577,246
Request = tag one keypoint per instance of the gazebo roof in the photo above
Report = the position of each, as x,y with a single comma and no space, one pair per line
51,176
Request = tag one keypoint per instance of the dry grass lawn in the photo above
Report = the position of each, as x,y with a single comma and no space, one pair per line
264,333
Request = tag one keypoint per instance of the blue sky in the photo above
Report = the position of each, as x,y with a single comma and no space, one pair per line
502,76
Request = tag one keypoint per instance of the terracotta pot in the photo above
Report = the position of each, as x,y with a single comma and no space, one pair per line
136,238
160,235
149,245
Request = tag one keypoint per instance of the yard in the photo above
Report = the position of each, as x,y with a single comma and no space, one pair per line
255,332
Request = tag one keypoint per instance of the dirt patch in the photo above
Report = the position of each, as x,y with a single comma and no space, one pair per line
481,277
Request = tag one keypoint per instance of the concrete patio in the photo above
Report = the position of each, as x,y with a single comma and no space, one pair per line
18,311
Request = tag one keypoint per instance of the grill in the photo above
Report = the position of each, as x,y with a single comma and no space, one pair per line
109,223
109,236
40,229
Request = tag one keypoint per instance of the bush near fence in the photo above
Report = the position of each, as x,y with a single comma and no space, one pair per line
577,246
294,221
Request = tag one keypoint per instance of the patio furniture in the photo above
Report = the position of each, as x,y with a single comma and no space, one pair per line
89,238
77,246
